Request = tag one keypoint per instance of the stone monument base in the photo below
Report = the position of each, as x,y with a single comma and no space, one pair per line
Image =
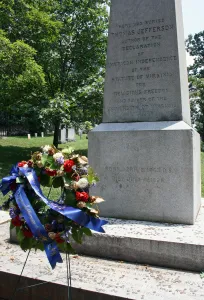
175,246
94,278
148,171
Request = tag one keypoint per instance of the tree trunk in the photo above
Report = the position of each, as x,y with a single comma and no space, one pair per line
56,134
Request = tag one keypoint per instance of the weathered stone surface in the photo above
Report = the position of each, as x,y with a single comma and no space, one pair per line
176,246
148,171
148,162
146,77
93,278
4,216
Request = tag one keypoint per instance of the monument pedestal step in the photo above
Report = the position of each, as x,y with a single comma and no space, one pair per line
160,244
92,278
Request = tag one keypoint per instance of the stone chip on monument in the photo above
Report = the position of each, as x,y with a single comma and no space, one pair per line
145,152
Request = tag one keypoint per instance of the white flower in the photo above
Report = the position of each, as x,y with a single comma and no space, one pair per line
58,155
39,164
46,148
82,183
81,204
60,173
66,186
25,166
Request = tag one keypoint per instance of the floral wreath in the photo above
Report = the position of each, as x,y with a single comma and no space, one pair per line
45,224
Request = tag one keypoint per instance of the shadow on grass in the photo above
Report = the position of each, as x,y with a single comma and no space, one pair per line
10,155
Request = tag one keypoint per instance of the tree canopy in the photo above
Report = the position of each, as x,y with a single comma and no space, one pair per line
21,78
195,47
67,39
197,103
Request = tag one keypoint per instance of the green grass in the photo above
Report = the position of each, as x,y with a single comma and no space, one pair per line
15,149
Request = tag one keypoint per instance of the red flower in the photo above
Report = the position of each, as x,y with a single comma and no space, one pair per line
58,239
82,196
22,163
16,221
51,152
51,172
48,227
76,177
27,233
30,164
13,186
68,164
39,178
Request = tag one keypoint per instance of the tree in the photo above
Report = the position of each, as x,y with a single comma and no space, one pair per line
75,59
70,39
195,47
197,103
89,100
21,78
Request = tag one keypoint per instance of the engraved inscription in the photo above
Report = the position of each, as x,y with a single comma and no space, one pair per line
142,61
137,169
143,31
146,63
138,175
141,46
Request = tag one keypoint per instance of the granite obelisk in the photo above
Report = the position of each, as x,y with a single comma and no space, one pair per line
145,152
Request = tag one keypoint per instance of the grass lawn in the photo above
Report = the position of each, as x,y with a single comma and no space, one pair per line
15,149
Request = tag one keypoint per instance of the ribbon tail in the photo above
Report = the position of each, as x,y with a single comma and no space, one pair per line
96,224
53,254
36,227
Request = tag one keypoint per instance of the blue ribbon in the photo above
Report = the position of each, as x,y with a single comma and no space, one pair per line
31,218
7,181
74,214
5,184
36,227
